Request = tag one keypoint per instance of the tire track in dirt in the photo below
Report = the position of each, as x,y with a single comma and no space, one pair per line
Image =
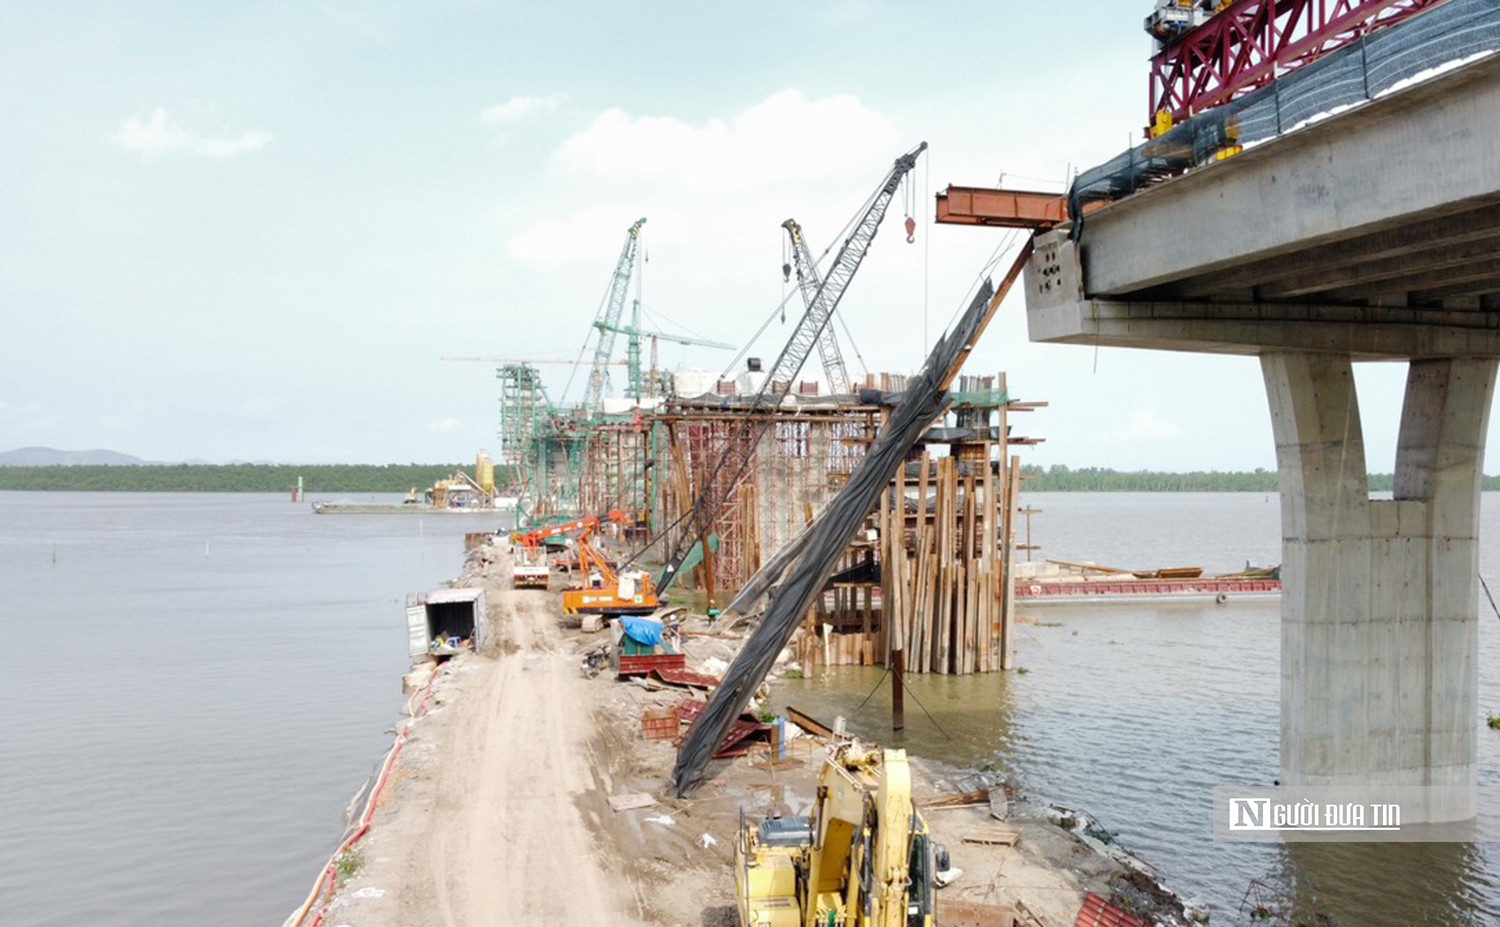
507,842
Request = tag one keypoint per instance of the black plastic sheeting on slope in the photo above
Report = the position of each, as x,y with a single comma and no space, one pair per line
924,400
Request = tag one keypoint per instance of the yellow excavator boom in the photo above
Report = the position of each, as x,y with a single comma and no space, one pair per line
863,860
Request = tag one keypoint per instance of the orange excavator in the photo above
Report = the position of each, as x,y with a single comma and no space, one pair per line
607,591
531,570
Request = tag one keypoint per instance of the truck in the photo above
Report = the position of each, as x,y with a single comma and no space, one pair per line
531,569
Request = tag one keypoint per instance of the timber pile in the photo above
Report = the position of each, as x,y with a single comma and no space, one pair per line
944,569
929,576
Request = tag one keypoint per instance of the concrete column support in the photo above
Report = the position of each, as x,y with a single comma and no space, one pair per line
1379,610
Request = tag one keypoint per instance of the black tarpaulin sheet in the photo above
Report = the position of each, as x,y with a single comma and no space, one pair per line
925,398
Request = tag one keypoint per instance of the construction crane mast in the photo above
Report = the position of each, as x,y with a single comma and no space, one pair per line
715,492
821,305
609,319
809,283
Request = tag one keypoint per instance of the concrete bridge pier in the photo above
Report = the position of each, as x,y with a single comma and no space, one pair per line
1379,642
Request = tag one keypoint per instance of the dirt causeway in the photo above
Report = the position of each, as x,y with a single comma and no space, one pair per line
498,809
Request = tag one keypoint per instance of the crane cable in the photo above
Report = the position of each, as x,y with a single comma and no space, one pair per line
992,262
926,249
780,309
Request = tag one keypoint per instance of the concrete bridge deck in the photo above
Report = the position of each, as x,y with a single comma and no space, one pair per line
1374,233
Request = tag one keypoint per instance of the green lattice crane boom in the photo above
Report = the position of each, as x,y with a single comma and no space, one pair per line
608,321
635,333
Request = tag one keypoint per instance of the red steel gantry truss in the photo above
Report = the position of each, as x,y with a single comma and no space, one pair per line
1249,43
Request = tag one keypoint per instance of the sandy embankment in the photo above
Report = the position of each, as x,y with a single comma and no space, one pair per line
498,808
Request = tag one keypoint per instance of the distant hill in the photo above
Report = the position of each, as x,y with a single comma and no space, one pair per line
52,457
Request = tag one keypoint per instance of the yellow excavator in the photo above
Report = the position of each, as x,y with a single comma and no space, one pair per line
863,858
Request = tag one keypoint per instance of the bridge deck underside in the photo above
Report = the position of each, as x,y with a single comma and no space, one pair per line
1446,259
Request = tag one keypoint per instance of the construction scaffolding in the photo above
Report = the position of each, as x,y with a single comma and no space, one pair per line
936,554
543,445
616,470
802,456
928,573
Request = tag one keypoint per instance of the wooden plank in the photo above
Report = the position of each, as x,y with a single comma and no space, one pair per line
993,836
953,913
627,801
940,606
987,617
886,566
971,568
957,800
917,643
807,722
1007,588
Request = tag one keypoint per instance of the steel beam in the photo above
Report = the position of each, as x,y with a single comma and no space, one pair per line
1015,209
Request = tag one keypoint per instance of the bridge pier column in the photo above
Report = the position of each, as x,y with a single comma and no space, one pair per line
1379,633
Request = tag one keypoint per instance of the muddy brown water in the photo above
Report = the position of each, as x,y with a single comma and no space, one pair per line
1136,711
197,684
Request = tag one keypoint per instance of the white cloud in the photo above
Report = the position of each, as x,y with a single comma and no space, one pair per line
1144,426
159,135
786,137
444,425
518,106
707,186
254,409
589,236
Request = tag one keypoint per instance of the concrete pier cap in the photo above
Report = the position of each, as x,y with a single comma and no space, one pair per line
1363,237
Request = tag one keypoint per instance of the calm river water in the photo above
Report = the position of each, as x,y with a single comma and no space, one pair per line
1135,712
198,683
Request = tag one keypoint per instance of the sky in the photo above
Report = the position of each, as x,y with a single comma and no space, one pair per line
252,232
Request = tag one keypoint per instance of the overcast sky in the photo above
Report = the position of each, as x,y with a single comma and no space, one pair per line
251,231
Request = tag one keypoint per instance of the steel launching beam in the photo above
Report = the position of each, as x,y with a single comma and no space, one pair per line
1012,209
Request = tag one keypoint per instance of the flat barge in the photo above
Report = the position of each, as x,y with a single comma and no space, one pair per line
1062,580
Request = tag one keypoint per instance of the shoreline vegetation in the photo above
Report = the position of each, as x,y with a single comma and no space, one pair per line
392,478
322,478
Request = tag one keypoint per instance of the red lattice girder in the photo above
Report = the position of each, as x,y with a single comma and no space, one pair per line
1250,43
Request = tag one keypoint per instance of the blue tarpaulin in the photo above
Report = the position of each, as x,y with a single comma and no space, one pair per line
642,630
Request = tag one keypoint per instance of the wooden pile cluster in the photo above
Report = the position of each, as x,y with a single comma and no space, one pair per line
944,565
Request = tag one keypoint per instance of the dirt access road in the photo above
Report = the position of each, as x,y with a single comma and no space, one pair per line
498,812
499,809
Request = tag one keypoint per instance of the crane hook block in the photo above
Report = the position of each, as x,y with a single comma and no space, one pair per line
911,230
786,271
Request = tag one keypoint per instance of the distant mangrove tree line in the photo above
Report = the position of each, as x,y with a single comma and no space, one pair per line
324,478
1060,478
351,478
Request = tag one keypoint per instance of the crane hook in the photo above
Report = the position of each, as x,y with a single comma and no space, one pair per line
786,272
911,230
